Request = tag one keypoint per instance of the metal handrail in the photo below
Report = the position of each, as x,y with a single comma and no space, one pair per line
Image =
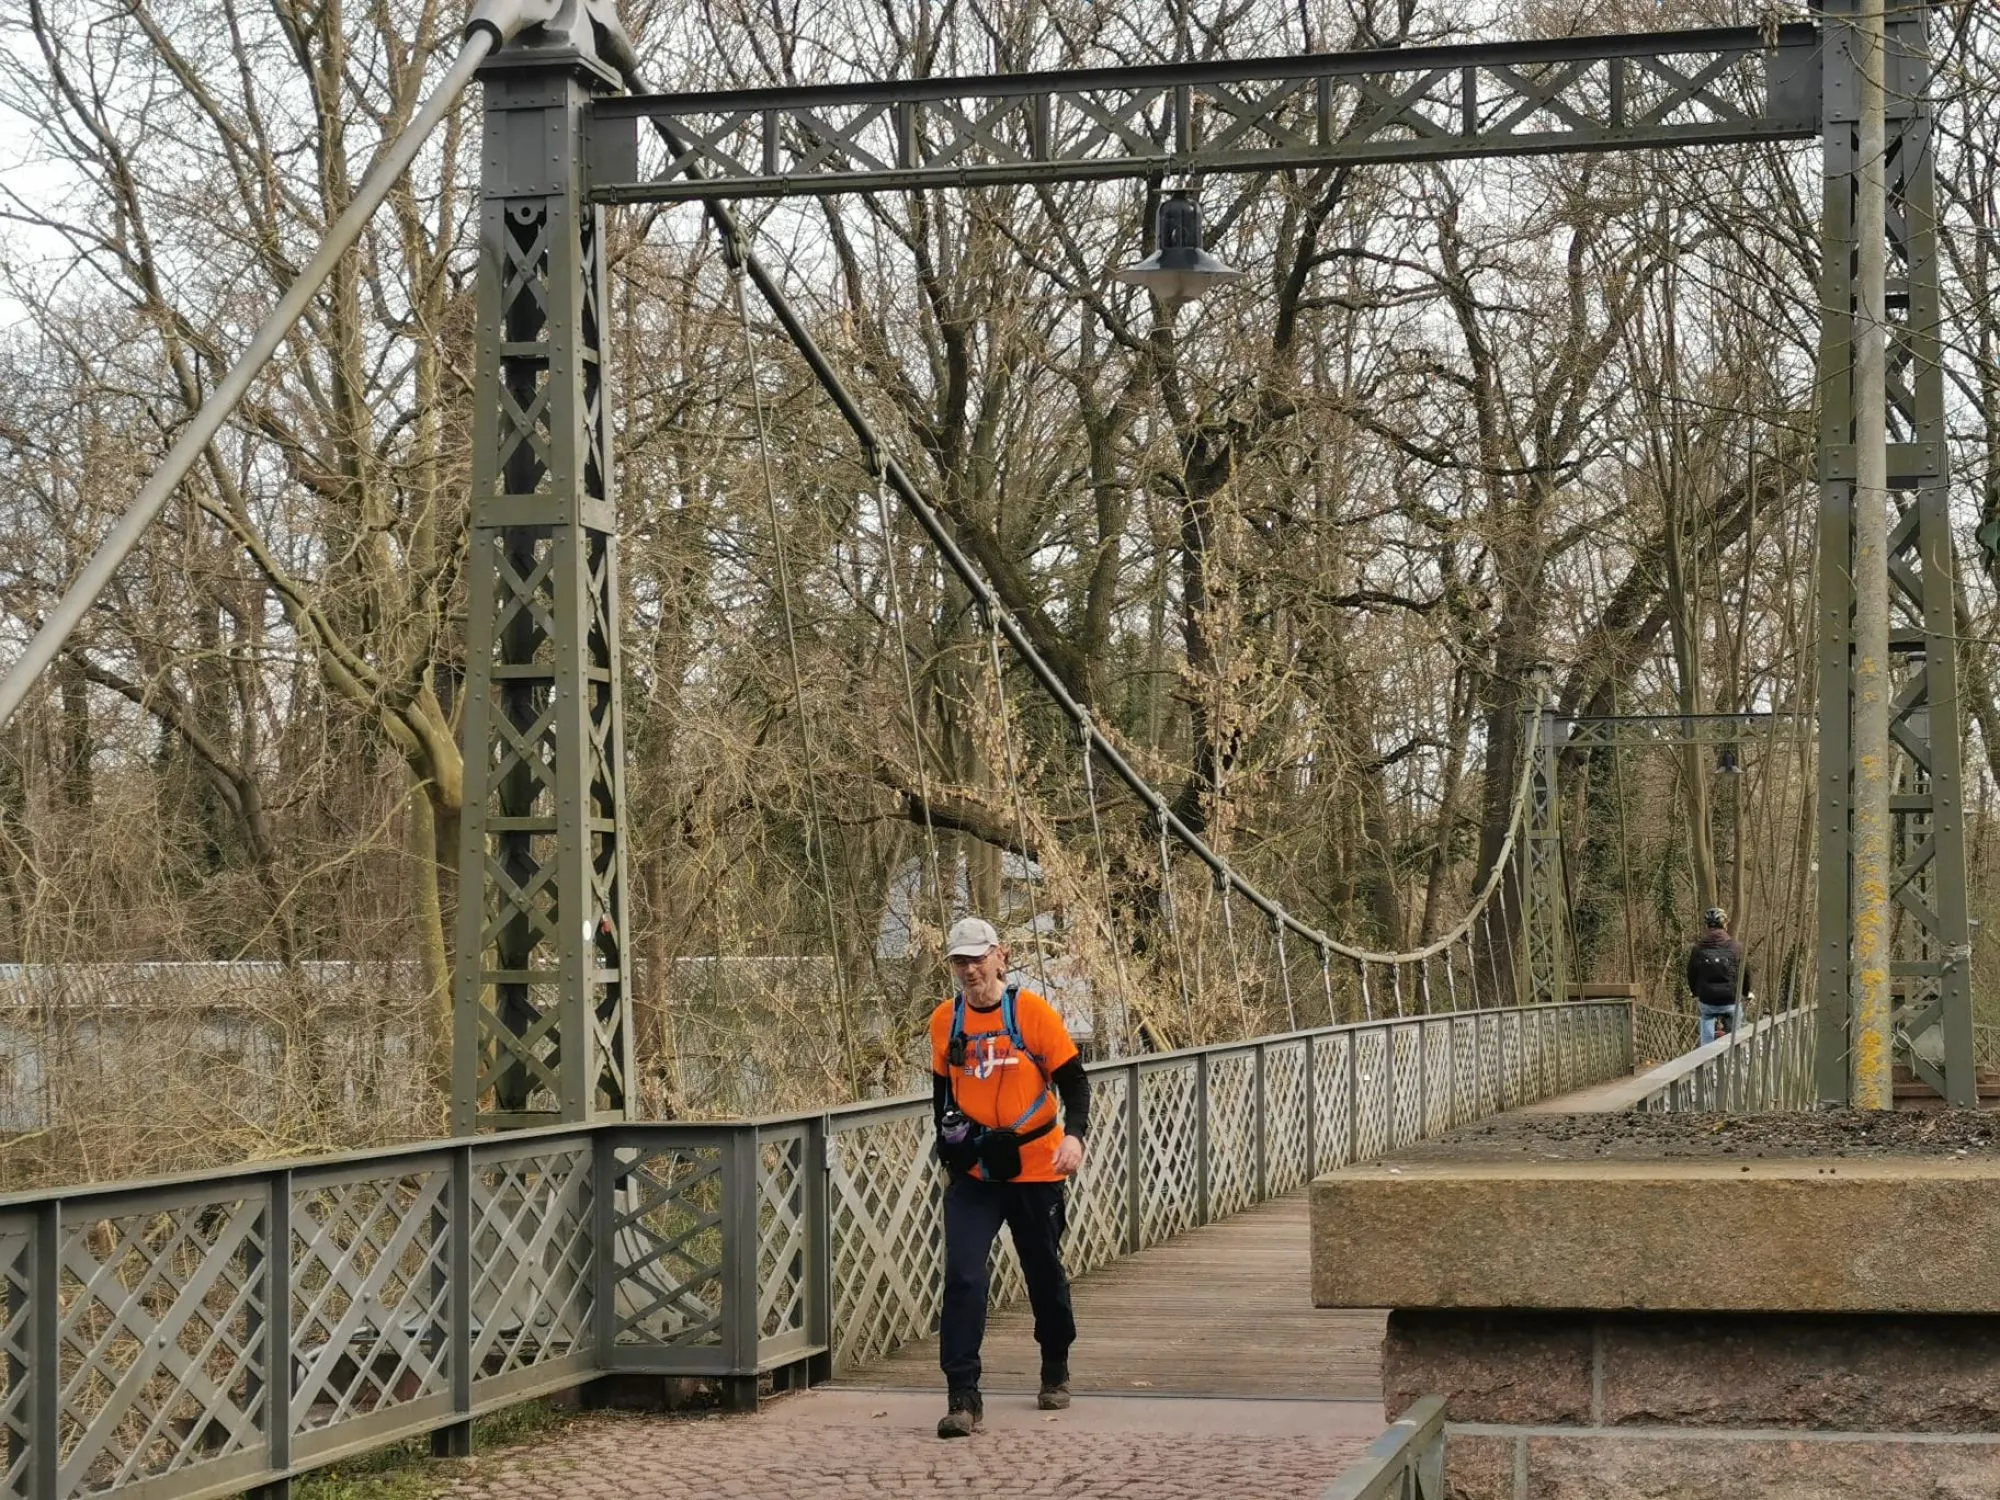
1405,1463
1154,1059
1766,1065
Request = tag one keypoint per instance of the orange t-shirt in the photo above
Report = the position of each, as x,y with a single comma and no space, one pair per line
996,1085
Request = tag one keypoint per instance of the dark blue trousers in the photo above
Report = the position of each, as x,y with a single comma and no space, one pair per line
1035,1214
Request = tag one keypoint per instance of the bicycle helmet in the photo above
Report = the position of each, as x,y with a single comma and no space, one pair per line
1715,916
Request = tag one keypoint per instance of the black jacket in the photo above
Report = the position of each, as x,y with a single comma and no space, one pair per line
1716,971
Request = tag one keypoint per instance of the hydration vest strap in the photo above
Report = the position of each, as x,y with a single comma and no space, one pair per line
1033,1110
1006,1019
1014,1037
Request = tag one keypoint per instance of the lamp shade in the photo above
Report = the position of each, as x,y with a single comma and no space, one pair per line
1180,270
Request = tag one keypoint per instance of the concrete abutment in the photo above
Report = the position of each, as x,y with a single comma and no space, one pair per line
1682,1306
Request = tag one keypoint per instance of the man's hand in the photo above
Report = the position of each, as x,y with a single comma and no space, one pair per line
1069,1156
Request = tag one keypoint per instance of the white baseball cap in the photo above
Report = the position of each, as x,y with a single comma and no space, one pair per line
971,937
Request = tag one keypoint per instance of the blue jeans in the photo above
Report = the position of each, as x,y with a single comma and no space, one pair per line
1710,1014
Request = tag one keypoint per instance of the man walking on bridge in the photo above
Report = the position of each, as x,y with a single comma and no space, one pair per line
1717,976
1000,1056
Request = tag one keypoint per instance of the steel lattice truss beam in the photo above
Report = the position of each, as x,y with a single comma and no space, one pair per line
1545,904
1644,731
1930,953
1419,104
542,1015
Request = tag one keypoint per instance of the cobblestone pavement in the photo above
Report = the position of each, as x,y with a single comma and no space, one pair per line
846,1444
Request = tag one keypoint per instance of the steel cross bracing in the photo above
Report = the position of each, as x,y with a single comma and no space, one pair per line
542,1016
1630,731
1259,114
1545,893
543,1012
1544,890
1930,944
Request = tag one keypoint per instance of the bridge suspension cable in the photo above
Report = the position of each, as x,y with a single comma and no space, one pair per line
807,745
885,468
895,592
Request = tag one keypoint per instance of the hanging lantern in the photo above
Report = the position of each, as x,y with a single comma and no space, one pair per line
1180,270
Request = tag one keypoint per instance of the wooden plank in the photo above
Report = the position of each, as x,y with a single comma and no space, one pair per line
1223,1310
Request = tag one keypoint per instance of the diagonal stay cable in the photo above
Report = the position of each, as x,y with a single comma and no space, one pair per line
916,726
1109,919
806,742
1037,868
885,467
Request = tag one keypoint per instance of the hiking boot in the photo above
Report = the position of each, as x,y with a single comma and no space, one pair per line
961,1418
1054,1394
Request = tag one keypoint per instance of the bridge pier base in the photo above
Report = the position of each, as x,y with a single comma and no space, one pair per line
1687,1304
1582,1404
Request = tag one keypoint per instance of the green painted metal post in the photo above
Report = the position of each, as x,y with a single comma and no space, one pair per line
1840,108
1927,806
1389,1141
1201,1215
1544,899
461,1228
1353,1098
1929,965
1423,1079
1135,1188
605,1201
276,1316
740,1292
1261,1084
45,1359
1869,1034
541,1005
1312,1106
819,1248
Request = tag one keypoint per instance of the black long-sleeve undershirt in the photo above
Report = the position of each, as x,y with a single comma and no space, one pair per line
1072,1086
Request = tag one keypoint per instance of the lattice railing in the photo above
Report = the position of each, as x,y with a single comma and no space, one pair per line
1660,1035
223,1331
1210,1131
1767,1065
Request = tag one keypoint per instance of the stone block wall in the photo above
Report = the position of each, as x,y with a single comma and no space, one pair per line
1673,1406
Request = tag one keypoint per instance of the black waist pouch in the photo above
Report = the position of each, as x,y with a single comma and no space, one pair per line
1000,1151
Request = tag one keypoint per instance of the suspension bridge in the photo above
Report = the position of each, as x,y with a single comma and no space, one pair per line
232,1330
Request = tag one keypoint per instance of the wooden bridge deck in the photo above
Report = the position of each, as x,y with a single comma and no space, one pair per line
1223,1310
